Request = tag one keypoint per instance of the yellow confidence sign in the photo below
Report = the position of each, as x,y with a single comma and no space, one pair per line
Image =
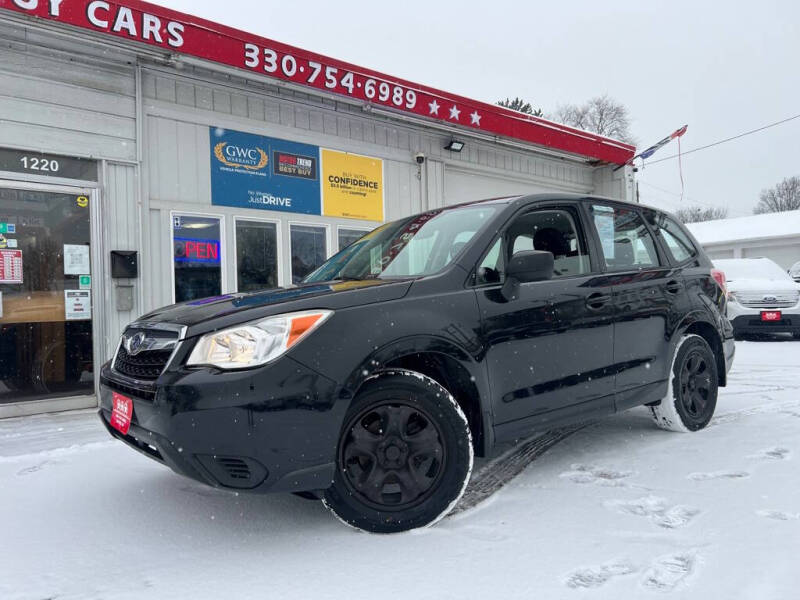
352,186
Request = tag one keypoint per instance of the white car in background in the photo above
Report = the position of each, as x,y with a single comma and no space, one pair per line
762,297
794,272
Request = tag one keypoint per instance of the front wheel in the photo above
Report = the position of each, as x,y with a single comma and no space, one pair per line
404,456
692,390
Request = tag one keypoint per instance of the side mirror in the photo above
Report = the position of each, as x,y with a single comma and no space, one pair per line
525,267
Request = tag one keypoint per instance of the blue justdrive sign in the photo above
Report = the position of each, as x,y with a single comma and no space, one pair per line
254,171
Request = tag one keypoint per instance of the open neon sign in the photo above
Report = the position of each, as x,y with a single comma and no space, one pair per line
188,250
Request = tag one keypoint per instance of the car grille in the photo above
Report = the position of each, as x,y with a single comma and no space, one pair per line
145,391
768,299
149,363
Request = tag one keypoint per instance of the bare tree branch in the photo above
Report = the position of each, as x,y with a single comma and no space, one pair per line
602,115
695,214
784,196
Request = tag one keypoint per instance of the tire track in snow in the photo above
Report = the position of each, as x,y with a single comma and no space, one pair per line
498,472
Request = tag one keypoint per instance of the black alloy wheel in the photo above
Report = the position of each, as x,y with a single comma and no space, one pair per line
393,455
693,383
404,455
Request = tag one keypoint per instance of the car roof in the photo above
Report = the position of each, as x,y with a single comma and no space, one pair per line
549,197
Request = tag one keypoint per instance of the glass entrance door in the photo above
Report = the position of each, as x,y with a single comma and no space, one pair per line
45,295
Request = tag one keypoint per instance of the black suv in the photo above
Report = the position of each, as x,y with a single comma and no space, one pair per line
372,383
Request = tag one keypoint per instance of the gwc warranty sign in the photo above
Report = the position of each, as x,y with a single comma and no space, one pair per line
242,157
254,171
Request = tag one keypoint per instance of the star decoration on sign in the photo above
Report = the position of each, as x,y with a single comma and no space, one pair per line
434,107
476,118
454,112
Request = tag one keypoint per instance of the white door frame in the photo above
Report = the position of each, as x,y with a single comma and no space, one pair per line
224,286
90,189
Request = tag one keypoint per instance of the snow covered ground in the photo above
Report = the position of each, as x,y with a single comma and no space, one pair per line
617,510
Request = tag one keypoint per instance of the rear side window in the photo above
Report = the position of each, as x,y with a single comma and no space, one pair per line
625,240
678,244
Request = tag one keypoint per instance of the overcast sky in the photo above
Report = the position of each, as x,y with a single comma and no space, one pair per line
721,67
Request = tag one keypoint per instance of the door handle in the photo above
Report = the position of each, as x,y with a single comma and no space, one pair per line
597,301
673,286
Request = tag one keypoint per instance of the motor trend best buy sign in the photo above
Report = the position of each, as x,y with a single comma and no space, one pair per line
184,34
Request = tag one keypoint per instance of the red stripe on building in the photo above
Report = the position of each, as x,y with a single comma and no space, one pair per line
180,33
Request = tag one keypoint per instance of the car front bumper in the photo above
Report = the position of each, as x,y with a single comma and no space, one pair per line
745,324
748,320
270,429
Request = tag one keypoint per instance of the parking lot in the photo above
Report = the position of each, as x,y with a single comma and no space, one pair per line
618,509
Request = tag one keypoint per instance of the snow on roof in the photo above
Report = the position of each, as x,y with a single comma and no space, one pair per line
752,227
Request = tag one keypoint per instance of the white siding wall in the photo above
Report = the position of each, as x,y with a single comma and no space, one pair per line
51,102
783,254
714,253
121,226
463,186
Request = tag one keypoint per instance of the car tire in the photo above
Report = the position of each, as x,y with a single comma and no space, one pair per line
404,456
692,389
796,336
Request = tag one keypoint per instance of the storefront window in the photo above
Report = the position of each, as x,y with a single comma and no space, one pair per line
348,236
45,296
197,257
256,255
309,250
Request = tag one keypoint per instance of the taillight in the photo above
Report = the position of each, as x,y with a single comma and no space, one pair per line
719,277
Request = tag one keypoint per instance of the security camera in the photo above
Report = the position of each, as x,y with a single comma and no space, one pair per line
420,158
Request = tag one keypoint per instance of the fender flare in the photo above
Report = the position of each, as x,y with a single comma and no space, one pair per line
379,361
698,316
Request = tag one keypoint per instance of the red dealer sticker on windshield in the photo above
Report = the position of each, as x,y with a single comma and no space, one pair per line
121,413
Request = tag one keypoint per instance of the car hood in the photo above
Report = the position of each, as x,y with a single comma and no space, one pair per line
218,312
762,285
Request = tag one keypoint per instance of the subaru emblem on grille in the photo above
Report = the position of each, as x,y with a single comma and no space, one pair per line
135,343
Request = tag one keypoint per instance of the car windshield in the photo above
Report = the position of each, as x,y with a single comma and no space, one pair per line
420,245
751,268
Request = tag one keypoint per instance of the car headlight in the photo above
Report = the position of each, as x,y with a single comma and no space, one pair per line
732,297
256,343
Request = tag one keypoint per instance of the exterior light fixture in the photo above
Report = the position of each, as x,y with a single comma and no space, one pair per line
455,146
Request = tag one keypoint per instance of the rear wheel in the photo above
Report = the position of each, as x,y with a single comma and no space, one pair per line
692,390
404,456
796,335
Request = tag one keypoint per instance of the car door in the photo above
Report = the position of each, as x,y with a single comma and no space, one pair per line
549,350
678,246
648,298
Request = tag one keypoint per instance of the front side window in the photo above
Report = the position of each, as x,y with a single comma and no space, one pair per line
413,247
625,240
197,257
678,244
550,230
